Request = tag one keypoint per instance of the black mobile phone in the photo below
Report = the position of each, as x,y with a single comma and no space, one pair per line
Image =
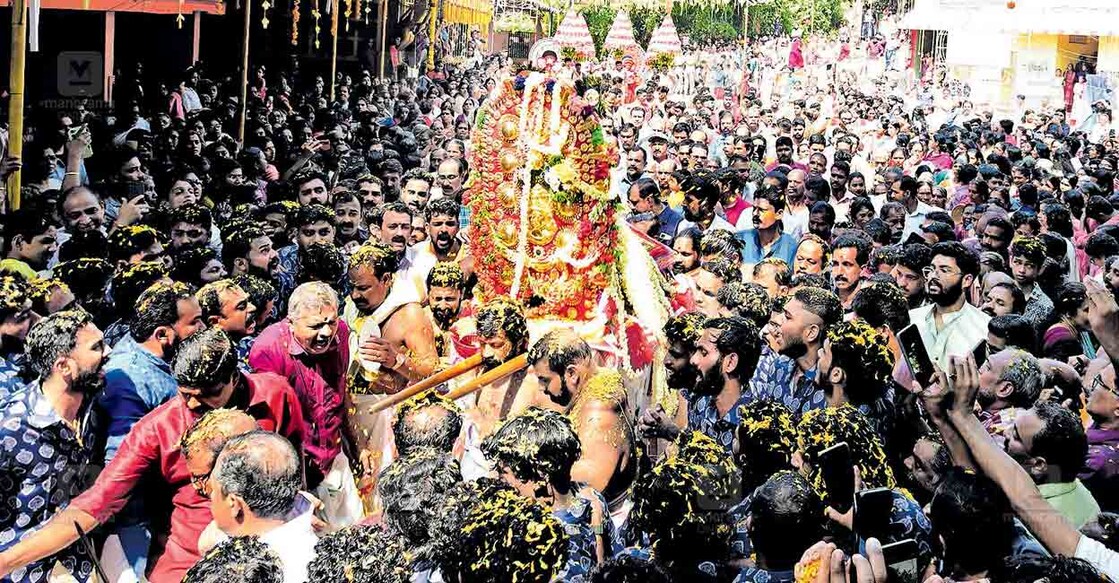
839,475
980,353
915,239
916,356
872,512
901,561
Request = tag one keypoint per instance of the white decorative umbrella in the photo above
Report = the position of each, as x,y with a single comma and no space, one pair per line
621,35
573,33
665,39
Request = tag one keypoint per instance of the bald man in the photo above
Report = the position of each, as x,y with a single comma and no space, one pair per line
795,219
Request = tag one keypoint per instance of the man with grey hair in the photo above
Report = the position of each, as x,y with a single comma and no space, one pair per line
1011,378
254,491
311,348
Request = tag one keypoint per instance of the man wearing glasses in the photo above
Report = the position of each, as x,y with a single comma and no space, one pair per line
948,324
1101,469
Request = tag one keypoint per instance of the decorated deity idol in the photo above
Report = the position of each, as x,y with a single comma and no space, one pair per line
545,223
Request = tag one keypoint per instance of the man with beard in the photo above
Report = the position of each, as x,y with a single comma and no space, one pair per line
310,188
570,382
725,358
16,319
416,190
350,221
50,425
504,335
392,340
948,324
1003,298
442,229
796,216
445,284
996,236
848,260
787,375
151,460
249,250
137,380
683,333
909,272
311,224
700,197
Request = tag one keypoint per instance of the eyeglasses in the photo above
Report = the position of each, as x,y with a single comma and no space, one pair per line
1097,383
201,483
942,271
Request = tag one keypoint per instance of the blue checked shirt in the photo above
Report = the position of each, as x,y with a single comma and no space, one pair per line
42,466
773,381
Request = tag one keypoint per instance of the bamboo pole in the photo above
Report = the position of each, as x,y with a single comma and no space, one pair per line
248,4
15,104
333,48
503,370
384,9
429,383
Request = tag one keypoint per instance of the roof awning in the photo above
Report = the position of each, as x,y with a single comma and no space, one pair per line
145,6
1081,17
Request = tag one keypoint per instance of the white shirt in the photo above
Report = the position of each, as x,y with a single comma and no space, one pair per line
294,541
1102,558
915,219
961,331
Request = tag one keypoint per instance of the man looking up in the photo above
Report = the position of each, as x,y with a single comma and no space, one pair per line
206,370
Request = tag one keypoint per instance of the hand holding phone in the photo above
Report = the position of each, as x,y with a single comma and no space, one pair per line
916,355
839,476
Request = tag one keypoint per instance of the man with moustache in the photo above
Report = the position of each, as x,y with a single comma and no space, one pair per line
349,221
948,324
51,425
393,227
205,369
683,333
228,307
393,341
768,238
445,285
796,216
848,259
503,332
570,382
249,250
311,348
725,358
788,374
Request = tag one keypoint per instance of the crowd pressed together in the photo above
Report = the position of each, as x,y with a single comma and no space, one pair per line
194,333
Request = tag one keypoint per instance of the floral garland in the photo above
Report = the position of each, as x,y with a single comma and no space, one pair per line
295,22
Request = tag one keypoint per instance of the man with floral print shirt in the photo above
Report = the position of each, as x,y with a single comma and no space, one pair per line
725,356
15,320
47,436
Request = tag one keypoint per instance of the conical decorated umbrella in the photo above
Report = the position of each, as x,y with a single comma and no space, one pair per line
620,37
665,39
574,34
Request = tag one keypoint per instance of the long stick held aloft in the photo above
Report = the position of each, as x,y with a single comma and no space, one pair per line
503,370
429,383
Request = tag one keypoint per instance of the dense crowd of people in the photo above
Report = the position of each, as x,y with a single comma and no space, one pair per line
892,351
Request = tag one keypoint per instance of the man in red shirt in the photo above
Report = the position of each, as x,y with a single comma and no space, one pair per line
206,370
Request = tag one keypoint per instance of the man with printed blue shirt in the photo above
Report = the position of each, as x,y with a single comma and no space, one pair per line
788,374
725,357
16,319
47,437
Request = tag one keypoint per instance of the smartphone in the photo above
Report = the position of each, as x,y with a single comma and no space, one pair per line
839,476
980,353
872,512
915,239
901,561
916,356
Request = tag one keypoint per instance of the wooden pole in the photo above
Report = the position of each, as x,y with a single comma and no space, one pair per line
248,5
110,55
15,104
384,8
333,48
503,370
429,383
196,43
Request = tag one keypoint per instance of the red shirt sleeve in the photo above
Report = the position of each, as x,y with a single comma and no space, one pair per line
140,451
